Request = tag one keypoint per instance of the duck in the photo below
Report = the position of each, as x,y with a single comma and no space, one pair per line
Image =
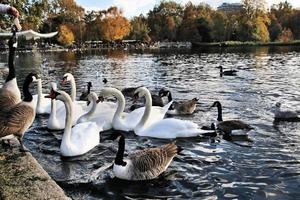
128,121
282,115
10,93
80,139
227,72
229,126
145,164
180,108
84,94
168,128
16,119
103,119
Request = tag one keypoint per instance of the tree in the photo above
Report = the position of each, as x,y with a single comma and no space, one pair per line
112,25
164,20
139,28
286,35
65,35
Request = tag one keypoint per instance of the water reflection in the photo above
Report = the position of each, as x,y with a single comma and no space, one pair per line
265,164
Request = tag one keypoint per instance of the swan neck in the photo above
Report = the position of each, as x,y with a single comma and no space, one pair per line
53,108
92,111
147,111
121,105
69,117
40,93
120,154
73,89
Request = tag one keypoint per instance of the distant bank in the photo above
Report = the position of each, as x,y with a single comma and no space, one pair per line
241,44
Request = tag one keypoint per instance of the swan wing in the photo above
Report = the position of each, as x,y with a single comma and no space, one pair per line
172,128
85,135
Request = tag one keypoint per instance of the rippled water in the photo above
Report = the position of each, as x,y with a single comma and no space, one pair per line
210,168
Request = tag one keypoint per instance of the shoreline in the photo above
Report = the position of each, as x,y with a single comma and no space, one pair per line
22,177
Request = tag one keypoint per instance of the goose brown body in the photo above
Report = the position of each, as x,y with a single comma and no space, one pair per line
145,164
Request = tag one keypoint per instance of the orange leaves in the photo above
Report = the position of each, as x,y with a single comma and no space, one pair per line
66,36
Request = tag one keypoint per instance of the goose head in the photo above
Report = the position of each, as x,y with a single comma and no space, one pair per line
195,99
66,78
89,84
163,92
278,105
216,104
221,68
33,77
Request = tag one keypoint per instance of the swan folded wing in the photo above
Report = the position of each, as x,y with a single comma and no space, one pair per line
16,120
228,126
8,99
153,161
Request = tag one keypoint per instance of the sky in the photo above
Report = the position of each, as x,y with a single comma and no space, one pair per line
136,7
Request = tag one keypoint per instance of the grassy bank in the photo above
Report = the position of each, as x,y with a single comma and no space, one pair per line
239,44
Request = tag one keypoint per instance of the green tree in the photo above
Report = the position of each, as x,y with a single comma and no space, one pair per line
139,28
164,20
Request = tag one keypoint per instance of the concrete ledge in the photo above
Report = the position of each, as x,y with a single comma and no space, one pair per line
21,177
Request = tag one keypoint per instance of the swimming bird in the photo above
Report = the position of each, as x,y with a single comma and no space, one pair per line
10,93
16,119
146,164
82,137
164,128
227,72
229,125
84,94
180,108
282,115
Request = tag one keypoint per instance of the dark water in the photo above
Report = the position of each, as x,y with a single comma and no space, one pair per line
208,168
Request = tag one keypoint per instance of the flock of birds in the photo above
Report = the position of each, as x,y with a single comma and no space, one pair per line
83,120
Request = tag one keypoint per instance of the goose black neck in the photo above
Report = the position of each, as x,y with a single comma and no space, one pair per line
219,106
11,65
89,89
170,97
120,153
26,92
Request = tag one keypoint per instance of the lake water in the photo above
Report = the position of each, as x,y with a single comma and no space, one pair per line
208,168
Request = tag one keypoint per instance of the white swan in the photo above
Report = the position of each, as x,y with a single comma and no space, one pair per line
103,118
57,116
81,138
164,128
127,122
282,115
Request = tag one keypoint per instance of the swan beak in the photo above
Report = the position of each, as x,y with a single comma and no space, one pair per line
63,81
135,98
52,95
100,99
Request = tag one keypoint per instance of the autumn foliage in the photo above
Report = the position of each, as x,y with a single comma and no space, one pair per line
65,35
112,25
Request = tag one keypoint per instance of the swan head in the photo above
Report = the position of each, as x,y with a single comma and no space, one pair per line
140,92
58,95
66,78
92,97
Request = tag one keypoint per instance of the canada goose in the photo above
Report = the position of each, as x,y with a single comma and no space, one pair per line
128,121
10,93
157,100
16,119
104,80
180,108
229,125
83,136
164,128
146,164
227,72
84,94
129,92
282,115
